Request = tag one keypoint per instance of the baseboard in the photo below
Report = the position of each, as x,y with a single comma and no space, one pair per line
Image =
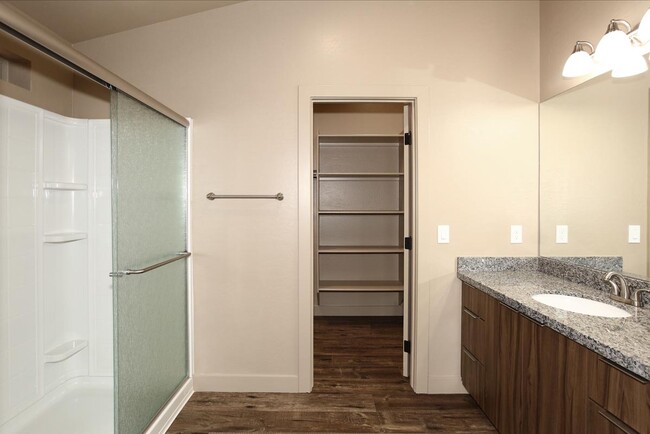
445,384
358,311
245,383
164,420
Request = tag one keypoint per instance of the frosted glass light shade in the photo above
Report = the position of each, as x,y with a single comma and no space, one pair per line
578,64
643,33
629,65
612,47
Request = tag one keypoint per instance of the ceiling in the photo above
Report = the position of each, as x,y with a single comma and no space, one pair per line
78,21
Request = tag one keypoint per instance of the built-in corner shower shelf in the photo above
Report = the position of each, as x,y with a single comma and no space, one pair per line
64,186
64,237
65,351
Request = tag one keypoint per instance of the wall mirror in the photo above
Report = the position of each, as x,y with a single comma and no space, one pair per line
594,172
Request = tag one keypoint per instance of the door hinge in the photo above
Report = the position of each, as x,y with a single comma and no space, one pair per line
407,138
408,243
407,347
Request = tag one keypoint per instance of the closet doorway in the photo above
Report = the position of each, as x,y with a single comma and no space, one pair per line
363,232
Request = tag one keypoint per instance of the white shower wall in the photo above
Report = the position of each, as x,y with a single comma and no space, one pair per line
55,252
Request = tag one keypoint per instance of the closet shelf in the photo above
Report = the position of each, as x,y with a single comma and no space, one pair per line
360,249
65,351
64,237
360,286
64,186
361,140
361,212
361,175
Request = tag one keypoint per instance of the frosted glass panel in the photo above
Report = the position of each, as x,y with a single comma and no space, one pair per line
149,212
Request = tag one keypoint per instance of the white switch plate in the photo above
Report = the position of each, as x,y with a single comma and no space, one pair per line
634,234
561,234
443,234
516,234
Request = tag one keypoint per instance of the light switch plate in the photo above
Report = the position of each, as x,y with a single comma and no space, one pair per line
443,234
634,234
516,234
561,234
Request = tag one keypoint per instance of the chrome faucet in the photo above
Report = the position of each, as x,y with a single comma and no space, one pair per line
620,292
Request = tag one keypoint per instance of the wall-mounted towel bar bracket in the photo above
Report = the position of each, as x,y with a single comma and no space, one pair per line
129,271
212,196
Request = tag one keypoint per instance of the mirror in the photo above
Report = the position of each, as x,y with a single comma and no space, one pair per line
594,172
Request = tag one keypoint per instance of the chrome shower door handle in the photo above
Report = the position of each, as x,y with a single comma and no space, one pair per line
130,271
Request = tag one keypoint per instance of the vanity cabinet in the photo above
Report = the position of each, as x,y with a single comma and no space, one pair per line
530,379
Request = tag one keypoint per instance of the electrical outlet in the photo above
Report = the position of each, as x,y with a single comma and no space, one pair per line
561,234
443,234
516,234
634,234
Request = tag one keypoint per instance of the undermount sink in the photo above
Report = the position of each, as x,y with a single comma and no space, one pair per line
581,305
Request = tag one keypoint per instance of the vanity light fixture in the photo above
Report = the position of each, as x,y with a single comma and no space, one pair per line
643,32
579,62
632,63
620,50
614,45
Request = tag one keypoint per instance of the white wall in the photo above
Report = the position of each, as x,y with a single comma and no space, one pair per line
236,72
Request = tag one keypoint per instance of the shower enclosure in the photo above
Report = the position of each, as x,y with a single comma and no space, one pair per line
93,248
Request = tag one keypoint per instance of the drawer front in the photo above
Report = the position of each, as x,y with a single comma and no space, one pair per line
475,300
471,372
473,334
601,421
623,394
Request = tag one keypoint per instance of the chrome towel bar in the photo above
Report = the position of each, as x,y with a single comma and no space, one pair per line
212,196
129,271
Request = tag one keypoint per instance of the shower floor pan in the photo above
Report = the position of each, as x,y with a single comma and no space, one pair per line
82,405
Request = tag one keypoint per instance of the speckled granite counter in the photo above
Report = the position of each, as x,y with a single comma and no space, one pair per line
625,341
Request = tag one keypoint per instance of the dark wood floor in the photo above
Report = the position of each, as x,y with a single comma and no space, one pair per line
358,387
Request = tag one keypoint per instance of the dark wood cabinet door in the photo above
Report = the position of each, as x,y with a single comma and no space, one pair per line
622,394
508,393
472,375
600,421
491,335
554,385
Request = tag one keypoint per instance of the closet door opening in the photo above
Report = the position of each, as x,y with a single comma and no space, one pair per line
363,240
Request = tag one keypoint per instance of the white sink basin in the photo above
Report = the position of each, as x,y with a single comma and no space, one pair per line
581,305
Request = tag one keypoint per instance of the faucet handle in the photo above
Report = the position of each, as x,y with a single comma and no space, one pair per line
637,301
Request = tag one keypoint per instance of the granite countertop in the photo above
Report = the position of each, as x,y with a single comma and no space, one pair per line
625,341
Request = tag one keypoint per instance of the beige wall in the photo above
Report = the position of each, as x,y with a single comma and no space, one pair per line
562,23
236,71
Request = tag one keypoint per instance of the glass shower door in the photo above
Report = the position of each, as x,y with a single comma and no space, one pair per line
149,156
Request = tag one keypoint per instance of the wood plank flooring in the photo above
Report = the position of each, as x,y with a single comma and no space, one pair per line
358,387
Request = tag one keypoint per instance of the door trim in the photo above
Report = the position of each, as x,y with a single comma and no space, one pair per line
307,95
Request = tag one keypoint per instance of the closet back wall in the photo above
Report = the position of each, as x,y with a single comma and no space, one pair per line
236,72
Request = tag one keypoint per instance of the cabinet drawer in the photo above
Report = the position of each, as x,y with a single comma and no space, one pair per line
601,421
472,374
473,334
475,300
623,394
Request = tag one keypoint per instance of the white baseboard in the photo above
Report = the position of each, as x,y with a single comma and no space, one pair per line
164,420
358,311
445,384
245,383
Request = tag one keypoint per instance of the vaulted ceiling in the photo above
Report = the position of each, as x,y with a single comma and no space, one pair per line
79,21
